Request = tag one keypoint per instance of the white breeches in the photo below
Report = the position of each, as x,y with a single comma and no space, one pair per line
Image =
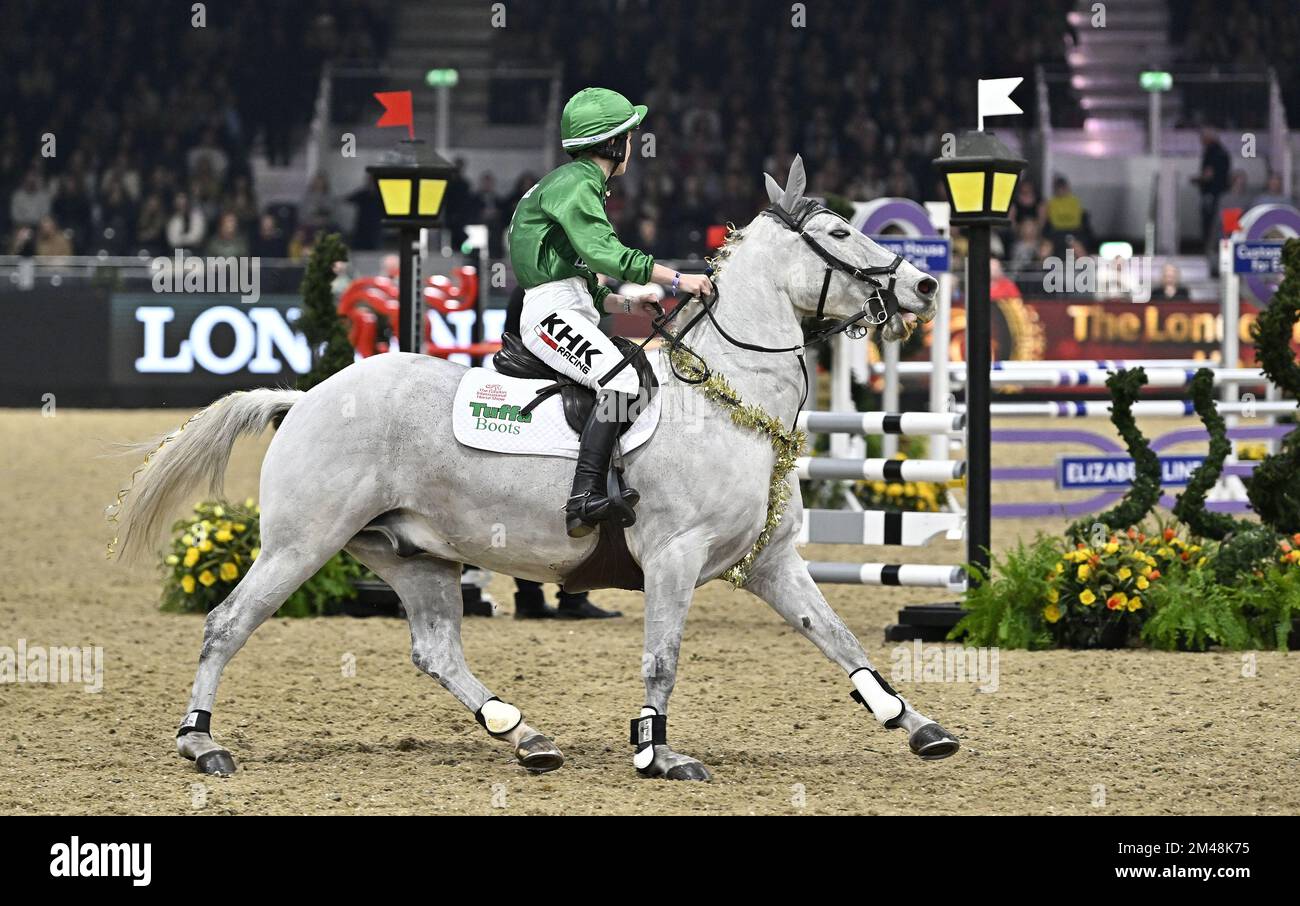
559,326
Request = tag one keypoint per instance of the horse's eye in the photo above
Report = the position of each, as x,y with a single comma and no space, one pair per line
839,233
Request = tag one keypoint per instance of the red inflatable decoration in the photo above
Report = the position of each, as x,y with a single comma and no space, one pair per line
363,303
367,300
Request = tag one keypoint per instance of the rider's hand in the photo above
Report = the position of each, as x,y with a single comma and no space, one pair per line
695,285
648,304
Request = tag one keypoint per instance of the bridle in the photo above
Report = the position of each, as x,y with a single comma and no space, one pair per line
878,308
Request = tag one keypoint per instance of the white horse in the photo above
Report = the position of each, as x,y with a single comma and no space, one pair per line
367,462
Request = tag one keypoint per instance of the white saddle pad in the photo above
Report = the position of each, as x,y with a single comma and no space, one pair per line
486,416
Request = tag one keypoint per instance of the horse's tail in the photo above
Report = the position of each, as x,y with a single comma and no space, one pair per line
199,449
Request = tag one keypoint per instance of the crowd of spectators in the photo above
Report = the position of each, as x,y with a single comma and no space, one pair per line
1229,35
864,91
127,124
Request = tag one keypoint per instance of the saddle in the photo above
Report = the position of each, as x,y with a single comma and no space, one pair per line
515,360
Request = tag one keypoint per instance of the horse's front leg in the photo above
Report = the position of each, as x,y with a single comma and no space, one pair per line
782,580
669,586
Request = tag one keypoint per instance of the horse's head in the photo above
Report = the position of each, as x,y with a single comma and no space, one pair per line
832,270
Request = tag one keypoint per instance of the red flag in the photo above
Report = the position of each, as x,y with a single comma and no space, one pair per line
397,110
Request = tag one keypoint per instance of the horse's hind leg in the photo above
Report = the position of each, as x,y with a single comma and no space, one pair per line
430,593
783,582
274,576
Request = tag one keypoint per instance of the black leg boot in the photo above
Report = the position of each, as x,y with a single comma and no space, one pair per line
579,607
530,603
589,503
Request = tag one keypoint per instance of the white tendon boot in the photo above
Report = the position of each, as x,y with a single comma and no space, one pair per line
924,736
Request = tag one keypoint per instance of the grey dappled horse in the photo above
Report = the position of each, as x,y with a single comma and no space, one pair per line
366,462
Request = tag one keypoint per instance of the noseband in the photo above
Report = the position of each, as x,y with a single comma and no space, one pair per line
880,306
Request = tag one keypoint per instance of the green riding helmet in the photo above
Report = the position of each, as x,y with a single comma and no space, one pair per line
594,117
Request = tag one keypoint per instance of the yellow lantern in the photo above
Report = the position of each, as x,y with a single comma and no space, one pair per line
980,178
413,187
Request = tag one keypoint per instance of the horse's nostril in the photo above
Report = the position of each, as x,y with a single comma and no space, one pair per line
927,286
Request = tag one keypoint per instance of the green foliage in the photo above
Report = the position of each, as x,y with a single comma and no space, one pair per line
1273,489
326,332
214,548
840,205
1006,608
1190,610
1244,551
1143,495
1190,504
1270,602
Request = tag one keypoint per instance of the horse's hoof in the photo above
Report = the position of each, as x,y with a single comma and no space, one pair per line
218,762
932,742
690,770
539,755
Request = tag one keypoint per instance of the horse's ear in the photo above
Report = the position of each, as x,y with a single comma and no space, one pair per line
795,185
774,191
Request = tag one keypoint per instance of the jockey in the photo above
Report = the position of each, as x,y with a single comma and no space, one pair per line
560,239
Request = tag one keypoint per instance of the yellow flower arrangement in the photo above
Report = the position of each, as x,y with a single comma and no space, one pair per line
207,556
1117,571
214,548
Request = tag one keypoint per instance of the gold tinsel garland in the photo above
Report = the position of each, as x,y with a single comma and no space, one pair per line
786,444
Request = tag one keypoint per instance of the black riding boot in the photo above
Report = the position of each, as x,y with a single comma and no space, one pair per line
589,502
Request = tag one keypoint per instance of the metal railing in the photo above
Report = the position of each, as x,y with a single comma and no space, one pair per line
19,273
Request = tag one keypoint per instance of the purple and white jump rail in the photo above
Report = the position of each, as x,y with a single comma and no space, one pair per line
1045,374
877,528
1141,408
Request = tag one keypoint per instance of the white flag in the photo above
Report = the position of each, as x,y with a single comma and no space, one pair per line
995,98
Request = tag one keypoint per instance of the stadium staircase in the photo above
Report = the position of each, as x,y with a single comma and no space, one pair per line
450,34
1106,64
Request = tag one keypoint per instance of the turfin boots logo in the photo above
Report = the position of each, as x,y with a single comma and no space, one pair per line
500,419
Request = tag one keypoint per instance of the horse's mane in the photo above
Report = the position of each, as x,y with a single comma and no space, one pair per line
734,235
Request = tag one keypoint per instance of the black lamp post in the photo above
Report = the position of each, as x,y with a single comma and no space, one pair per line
412,184
980,179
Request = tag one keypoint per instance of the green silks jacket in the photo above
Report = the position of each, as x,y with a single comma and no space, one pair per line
559,230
